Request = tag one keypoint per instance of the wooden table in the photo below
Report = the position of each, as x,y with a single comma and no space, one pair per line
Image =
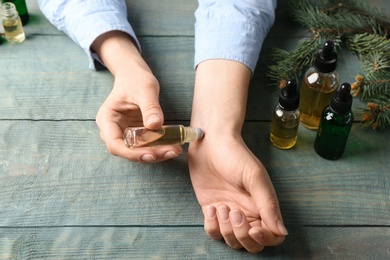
62,195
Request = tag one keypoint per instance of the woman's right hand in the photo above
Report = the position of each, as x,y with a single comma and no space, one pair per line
133,101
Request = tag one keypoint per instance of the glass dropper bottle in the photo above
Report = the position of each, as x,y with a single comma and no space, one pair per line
166,135
335,125
285,119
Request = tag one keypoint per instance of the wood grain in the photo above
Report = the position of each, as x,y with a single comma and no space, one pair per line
63,196
59,173
186,243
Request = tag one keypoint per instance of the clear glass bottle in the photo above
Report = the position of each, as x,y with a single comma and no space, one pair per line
21,7
335,125
167,134
13,28
285,119
318,86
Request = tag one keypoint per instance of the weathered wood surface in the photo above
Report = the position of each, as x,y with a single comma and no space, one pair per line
62,195
127,242
58,173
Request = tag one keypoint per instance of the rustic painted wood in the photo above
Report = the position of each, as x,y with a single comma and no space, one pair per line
57,173
62,195
172,243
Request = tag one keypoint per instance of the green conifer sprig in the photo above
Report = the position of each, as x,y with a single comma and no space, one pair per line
355,25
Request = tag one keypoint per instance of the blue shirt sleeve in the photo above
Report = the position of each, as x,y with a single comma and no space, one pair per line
98,16
224,29
232,29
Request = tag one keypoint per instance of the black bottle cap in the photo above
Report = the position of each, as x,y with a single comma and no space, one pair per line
342,100
326,60
289,96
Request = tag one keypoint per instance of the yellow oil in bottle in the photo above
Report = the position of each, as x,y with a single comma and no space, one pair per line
13,30
284,129
316,94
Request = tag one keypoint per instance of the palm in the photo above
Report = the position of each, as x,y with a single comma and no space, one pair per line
222,173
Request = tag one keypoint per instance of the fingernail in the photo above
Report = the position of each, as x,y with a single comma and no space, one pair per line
170,155
258,235
148,158
282,228
210,212
153,119
223,214
236,217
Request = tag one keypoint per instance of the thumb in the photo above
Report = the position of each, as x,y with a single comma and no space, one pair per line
267,202
152,115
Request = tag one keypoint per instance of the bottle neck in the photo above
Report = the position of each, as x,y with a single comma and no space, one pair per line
8,11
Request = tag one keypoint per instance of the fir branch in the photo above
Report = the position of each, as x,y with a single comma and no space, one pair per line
362,9
358,26
364,44
377,115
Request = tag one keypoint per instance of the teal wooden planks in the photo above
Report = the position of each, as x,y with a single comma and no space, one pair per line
129,242
59,173
62,195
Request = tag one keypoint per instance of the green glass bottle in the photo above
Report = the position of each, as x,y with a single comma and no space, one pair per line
21,7
335,125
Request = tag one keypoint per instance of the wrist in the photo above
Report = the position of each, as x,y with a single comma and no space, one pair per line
118,52
220,96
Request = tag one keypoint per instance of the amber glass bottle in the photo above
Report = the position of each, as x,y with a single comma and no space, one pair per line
318,86
285,119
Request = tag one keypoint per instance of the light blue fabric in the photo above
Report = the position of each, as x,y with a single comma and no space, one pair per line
232,29
224,29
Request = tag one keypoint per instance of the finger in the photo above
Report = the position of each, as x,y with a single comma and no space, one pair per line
226,228
112,135
241,229
267,202
148,102
265,237
144,155
211,222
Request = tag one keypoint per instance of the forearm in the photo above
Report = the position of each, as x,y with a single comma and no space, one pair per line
220,96
119,53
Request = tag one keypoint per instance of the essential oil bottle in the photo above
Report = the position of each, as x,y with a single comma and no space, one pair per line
21,7
166,135
13,28
285,119
335,125
318,86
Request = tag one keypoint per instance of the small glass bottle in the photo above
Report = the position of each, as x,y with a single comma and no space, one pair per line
21,7
318,86
335,125
285,119
166,135
13,28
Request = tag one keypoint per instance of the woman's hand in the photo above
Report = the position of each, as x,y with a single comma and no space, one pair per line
232,186
133,101
236,195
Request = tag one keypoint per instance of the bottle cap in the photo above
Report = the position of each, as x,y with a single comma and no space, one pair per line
289,96
326,60
193,134
342,100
